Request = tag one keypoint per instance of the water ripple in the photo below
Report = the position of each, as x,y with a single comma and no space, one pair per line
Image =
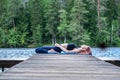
112,52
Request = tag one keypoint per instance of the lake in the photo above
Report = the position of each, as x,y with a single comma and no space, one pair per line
111,52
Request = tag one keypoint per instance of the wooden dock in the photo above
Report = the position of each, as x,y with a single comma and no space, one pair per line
62,67
8,62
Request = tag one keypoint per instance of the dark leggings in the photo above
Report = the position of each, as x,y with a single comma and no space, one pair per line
45,49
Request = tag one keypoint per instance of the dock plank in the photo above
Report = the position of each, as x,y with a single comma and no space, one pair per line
62,67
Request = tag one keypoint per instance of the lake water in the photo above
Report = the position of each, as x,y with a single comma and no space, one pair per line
111,52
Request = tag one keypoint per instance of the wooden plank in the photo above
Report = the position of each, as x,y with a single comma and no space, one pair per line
59,69
62,67
65,62
64,57
49,72
62,78
65,65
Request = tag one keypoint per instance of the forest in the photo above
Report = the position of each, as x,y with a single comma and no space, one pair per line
33,23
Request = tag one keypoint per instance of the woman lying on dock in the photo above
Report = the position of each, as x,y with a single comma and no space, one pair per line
64,48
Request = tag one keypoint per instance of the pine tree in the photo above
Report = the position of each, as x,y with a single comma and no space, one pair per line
112,17
36,21
97,24
62,28
22,26
79,34
3,36
12,11
91,23
2,12
52,20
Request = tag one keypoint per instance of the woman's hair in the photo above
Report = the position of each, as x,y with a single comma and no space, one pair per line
71,46
82,50
87,48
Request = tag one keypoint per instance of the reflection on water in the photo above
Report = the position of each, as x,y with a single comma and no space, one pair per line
16,52
112,52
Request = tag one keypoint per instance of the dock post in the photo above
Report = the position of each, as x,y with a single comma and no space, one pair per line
3,69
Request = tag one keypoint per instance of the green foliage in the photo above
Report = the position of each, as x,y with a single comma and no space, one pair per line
13,38
37,36
76,24
62,28
36,16
22,35
52,20
114,33
3,38
32,23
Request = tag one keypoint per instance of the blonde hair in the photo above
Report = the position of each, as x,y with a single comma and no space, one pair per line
86,49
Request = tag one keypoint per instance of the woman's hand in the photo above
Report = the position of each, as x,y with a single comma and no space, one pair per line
61,47
57,45
51,50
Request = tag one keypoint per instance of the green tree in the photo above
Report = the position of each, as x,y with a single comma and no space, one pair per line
12,38
12,12
36,20
97,24
13,7
2,12
3,36
52,20
79,35
118,20
114,33
112,15
62,28
91,23
103,33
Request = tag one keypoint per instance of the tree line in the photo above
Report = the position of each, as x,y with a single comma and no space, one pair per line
33,23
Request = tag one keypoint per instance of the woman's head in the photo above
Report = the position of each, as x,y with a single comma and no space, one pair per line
86,49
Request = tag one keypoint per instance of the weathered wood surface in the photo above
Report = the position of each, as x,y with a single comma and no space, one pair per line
62,67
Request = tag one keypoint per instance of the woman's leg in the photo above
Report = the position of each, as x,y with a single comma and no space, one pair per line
43,49
46,47
57,49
